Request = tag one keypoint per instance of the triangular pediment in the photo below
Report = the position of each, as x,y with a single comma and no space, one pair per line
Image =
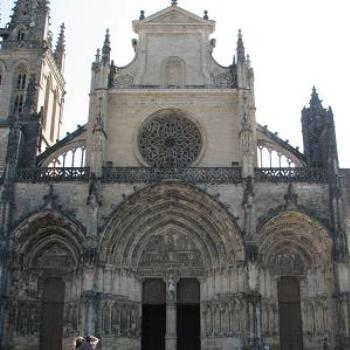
174,14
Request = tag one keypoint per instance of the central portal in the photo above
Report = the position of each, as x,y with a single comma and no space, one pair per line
188,315
153,315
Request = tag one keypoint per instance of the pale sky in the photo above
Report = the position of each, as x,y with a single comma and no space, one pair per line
293,45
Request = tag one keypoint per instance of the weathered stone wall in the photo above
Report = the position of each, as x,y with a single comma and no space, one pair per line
215,112
4,132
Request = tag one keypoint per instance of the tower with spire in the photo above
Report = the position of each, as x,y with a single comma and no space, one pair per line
34,87
320,145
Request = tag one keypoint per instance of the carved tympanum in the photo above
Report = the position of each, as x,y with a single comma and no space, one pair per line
170,251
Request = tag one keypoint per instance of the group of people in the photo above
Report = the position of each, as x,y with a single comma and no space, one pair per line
87,343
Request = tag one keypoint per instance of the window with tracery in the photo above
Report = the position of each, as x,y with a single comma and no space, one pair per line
47,101
53,116
169,140
18,104
20,86
20,35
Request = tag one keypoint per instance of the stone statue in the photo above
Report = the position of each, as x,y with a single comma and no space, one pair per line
171,288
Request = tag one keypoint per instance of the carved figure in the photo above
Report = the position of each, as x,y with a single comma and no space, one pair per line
171,288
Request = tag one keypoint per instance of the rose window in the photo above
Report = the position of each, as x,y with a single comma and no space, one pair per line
168,140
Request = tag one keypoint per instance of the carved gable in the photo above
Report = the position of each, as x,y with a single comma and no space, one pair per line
175,15
172,17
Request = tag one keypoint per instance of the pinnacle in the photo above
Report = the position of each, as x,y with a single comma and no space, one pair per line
61,38
106,50
315,102
240,48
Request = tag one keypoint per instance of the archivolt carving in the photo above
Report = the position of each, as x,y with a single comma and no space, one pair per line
189,224
292,242
47,240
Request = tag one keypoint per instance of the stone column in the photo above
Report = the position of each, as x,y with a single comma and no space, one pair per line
254,320
171,334
89,312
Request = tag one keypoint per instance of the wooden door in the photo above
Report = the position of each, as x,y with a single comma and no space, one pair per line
291,334
52,314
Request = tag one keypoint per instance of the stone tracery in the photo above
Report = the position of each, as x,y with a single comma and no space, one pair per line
169,140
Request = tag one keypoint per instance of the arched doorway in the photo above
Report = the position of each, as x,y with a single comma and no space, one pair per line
52,314
153,315
291,334
188,314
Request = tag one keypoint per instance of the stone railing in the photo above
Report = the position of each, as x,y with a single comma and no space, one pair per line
52,174
187,175
207,175
303,174
172,87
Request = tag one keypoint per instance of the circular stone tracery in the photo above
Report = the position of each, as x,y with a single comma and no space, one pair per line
168,140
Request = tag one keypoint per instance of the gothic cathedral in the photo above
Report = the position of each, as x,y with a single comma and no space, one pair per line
171,220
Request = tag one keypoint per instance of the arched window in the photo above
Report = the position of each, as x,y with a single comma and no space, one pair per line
20,34
19,102
20,86
47,101
53,116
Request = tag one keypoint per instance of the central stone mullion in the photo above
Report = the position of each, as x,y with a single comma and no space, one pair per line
171,303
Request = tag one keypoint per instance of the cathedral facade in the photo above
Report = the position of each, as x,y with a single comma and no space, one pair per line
171,220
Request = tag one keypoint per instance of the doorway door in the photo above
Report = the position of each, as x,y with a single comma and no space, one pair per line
188,314
291,334
153,315
52,314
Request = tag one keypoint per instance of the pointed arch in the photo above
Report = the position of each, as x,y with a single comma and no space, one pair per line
20,33
171,217
20,83
48,91
296,241
48,235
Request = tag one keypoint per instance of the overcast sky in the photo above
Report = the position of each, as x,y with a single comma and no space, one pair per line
293,44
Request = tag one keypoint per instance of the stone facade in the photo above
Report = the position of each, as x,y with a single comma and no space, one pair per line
101,232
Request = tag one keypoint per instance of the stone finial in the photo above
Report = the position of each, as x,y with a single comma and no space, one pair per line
173,2
142,15
98,56
60,49
315,102
240,48
106,50
206,17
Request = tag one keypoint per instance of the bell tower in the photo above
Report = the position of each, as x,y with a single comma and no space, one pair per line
28,60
